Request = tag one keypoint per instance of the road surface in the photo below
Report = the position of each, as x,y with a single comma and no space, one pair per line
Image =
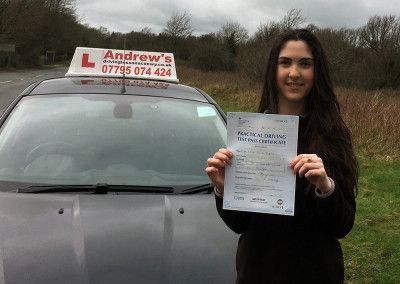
12,83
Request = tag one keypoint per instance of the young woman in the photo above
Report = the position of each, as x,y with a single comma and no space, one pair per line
303,248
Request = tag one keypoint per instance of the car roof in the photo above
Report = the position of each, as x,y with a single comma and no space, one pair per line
97,85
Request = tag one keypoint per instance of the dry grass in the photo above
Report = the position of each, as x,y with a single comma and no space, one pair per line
372,116
230,90
374,120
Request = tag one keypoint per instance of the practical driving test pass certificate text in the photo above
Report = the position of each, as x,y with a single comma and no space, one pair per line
259,178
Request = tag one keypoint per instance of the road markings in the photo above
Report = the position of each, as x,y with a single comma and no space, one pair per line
4,82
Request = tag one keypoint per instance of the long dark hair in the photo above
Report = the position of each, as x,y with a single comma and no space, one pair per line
327,134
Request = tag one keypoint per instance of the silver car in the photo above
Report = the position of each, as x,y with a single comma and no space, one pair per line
102,181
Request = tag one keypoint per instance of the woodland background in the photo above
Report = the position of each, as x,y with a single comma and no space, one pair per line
47,31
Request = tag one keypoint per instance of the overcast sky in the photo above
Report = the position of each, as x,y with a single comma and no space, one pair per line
210,15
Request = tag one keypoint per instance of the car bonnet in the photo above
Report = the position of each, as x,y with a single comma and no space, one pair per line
47,238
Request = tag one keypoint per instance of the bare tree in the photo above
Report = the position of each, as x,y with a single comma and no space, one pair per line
266,32
38,26
233,34
147,31
235,30
381,34
292,19
179,25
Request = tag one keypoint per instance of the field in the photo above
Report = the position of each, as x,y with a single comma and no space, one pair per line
371,250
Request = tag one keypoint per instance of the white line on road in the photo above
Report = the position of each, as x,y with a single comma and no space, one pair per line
4,82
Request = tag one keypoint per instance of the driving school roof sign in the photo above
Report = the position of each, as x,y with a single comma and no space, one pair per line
114,63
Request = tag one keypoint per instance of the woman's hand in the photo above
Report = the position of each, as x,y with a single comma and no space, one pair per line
312,168
216,168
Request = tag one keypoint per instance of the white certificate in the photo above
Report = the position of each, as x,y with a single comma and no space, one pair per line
259,178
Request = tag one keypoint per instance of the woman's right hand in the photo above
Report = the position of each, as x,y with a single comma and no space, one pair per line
216,167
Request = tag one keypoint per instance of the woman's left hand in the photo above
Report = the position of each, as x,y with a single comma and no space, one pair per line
312,168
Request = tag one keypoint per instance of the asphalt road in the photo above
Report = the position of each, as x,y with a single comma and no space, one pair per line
12,83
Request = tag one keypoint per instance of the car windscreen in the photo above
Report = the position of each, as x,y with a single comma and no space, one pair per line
113,139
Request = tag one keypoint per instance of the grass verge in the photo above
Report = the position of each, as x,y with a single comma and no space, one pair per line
372,250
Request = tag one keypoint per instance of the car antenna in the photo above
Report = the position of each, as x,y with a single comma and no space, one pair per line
123,89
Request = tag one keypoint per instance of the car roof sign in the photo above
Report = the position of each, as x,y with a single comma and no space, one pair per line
98,62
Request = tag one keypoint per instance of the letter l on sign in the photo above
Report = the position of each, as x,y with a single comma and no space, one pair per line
85,61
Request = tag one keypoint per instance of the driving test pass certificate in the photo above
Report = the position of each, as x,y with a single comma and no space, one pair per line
259,178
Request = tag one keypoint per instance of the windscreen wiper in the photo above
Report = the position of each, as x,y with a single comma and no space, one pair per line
208,187
98,188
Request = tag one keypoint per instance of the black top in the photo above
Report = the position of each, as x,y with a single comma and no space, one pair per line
293,249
